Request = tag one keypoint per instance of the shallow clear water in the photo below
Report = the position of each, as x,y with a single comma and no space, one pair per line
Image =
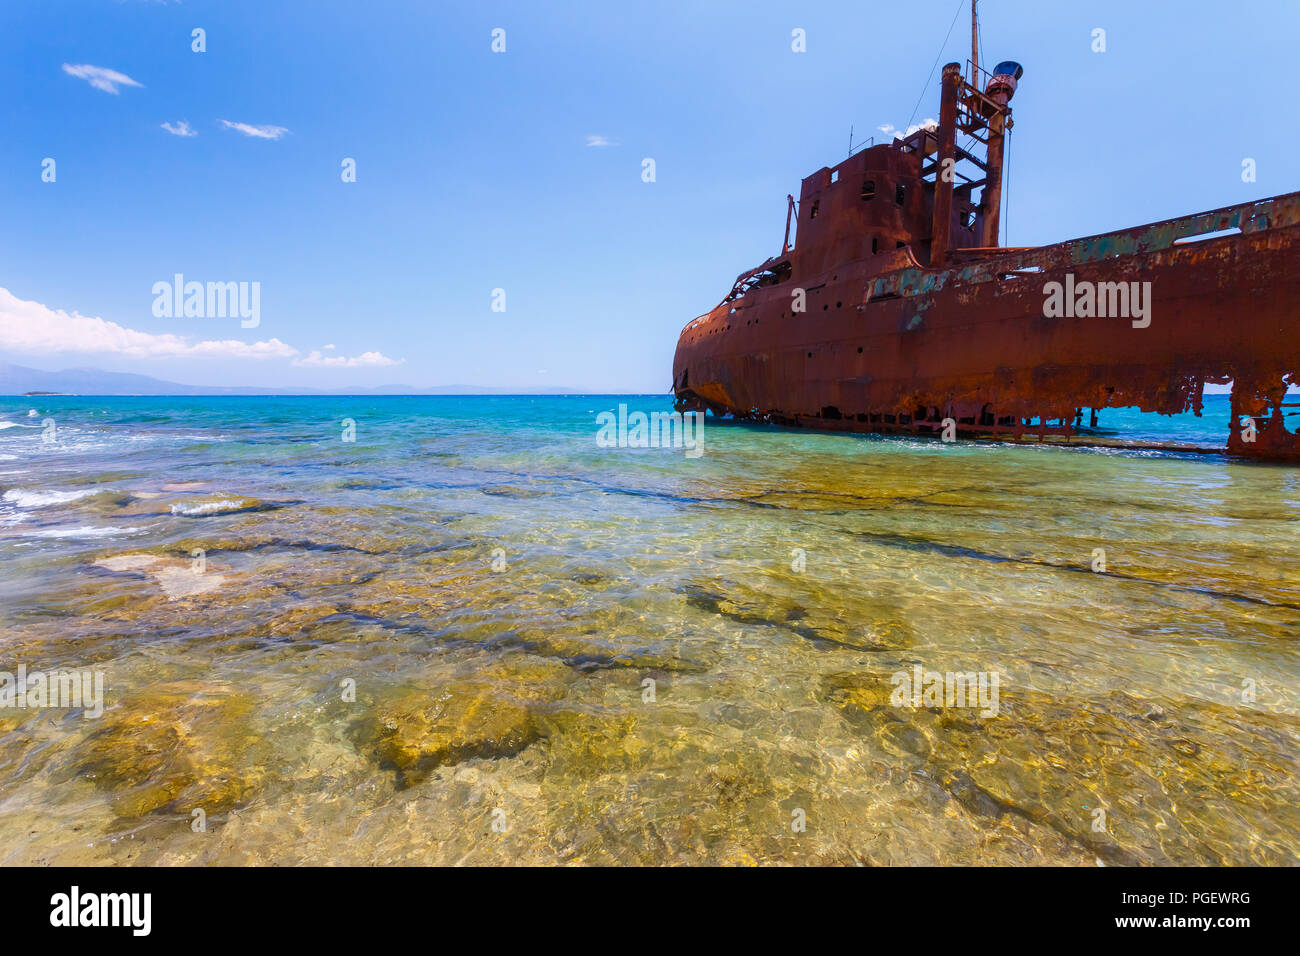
499,589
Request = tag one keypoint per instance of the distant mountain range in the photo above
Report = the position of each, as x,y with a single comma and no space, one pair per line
20,380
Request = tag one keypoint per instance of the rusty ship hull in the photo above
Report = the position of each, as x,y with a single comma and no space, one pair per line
941,327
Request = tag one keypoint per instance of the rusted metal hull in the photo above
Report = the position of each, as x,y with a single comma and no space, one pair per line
886,345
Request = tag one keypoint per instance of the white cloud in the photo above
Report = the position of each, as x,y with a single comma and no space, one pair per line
890,129
32,327
182,128
101,78
365,360
595,139
257,132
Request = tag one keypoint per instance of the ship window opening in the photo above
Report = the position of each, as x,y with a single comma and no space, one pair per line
900,194
839,305
813,213
875,245
859,349
810,355
900,245
868,189
835,176
825,307
970,219
1218,234
831,412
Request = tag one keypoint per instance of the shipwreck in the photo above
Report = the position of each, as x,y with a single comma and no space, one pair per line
897,311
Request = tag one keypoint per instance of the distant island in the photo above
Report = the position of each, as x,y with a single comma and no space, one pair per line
19,380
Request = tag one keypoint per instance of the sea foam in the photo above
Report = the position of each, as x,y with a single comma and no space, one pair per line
27,498
212,507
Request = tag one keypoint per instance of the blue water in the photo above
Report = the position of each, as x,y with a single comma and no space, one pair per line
353,629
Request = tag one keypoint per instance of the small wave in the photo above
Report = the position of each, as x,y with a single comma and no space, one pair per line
42,499
4,425
85,531
228,506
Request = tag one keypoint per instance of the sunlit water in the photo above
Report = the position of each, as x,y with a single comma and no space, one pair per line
568,653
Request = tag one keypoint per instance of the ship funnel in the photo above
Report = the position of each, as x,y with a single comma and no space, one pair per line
1003,84
997,94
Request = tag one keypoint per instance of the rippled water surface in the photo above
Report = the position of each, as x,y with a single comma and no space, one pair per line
567,653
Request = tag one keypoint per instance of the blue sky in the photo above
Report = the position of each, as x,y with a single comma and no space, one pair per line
474,171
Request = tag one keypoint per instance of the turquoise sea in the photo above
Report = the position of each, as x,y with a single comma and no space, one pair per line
387,630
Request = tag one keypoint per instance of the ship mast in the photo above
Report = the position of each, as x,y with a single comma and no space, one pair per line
982,111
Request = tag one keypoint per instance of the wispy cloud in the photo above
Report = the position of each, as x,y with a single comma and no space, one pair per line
317,359
257,132
32,327
100,77
595,139
182,128
890,129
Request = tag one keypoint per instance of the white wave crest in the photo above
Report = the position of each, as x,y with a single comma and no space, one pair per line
85,531
211,507
26,498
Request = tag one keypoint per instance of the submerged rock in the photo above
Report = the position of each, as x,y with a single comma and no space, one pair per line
177,577
512,491
1050,762
184,745
184,485
806,617
491,712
